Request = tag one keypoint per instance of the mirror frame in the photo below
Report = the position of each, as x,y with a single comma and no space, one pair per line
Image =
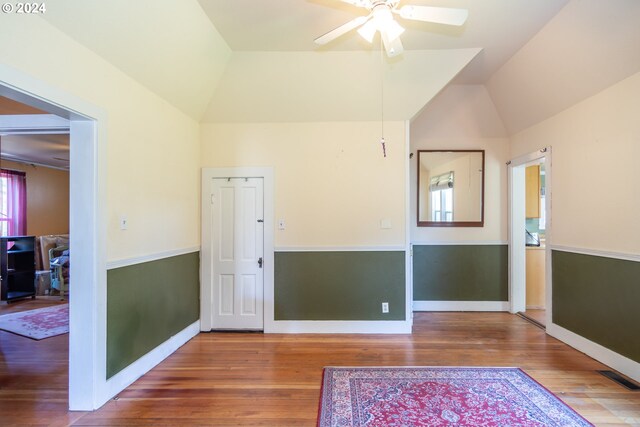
450,223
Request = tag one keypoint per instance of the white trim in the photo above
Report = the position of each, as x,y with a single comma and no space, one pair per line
32,124
602,354
597,252
516,230
30,163
461,306
87,315
125,262
206,274
131,373
408,248
529,157
87,233
339,248
339,327
461,243
517,270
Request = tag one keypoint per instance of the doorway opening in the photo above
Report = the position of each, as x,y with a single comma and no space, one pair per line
529,236
87,316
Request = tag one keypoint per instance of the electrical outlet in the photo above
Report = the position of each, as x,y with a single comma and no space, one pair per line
385,307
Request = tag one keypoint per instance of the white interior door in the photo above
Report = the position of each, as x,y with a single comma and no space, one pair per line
237,253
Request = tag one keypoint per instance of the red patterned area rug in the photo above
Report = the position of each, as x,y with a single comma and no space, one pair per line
38,324
439,396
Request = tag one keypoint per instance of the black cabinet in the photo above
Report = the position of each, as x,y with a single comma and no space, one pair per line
18,272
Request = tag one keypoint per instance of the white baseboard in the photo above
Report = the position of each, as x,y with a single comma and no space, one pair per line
131,373
602,354
339,327
460,306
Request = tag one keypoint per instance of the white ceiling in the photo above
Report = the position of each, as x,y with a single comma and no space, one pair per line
588,46
43,149
255,60
499,27
169,46
47,150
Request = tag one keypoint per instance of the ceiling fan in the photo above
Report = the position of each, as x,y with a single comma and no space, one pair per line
381,19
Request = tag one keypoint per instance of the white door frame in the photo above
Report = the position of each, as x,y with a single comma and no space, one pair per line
517,250
206,273
87,316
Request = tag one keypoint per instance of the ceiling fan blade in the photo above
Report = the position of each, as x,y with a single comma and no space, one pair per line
393,47
439,15
359,3
337,32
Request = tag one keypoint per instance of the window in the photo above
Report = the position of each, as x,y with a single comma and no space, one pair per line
442,197
13,203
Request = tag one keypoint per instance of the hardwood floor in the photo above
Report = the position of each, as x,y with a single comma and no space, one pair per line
539,316
29,304
236,379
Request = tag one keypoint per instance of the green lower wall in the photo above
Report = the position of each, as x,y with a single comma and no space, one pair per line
597,298
147,304
339,285
460,273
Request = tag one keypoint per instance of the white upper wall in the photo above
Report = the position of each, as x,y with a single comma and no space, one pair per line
460,111
333,186
588,46
464,117
595,196
169,46
151,147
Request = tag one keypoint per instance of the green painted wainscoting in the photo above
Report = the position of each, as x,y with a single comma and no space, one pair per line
460,273
339,285
597,298
147,304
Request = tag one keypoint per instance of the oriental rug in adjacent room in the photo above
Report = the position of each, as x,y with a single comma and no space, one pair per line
39,323
439,396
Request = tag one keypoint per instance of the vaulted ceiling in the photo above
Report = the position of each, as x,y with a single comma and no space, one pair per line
255,60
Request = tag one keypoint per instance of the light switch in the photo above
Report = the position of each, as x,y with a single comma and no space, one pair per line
124,223
385,224
281,224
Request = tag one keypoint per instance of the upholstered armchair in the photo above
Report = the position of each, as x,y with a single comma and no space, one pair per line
59,265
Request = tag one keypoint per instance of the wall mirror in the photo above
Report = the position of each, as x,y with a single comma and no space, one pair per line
450,188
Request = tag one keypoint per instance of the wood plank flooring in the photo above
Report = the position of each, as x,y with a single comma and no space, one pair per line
539,316
237,379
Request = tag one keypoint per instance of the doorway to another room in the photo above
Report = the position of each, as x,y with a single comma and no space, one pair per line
34,250
529,230
535,225
63,365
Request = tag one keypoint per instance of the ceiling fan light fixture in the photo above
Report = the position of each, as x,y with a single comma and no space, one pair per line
368,31
381,19
383,22
392,30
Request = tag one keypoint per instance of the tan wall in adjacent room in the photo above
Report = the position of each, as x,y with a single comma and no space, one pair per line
47,198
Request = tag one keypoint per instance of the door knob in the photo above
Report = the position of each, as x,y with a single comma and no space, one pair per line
260,262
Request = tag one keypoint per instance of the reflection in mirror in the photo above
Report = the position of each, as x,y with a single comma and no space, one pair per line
450,188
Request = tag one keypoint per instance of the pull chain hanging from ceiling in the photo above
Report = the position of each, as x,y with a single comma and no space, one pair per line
382,141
